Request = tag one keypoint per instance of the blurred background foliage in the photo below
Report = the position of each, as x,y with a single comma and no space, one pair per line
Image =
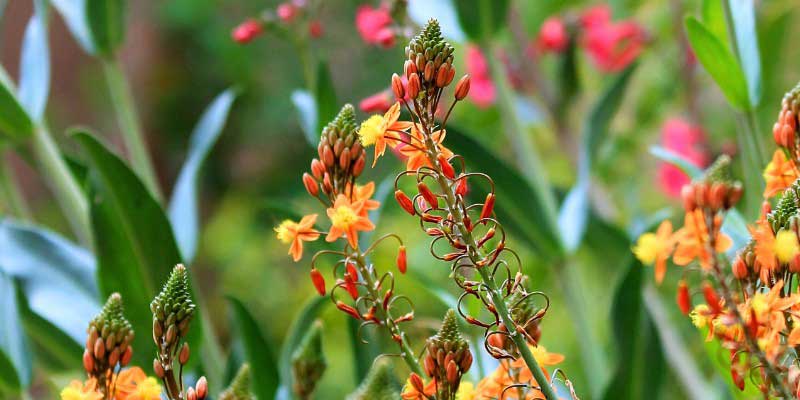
179,55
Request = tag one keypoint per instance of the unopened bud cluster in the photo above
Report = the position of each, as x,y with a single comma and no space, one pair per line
429,63
341,157
308,363
785,129
448,357
239,388
108,344
715,191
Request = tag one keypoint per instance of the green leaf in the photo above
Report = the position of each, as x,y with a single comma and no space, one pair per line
106,20
15,363
56,276
306,108
257,351
133,240
516,207
481,19
34,65
76,18
55,350
15,123
183,207
677,160
307,315
713,17
743,18
719,62
325,97
574,213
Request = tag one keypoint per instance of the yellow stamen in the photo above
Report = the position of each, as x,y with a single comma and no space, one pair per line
370,130
343,217
786,247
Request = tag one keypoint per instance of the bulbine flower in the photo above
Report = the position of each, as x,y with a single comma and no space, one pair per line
779,174
656,248
382,131
295,233
347,218
78,390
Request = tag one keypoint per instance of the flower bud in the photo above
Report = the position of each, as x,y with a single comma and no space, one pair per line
397,87
409,68
247,31
711,298
190,394
312,187
683,299
126,356
688,197
404,202
462,87
88,361
416,382
158,369
318,280
739,267
447,169
413,86
488,206
183,357
461,188
427,194
201,388
402,262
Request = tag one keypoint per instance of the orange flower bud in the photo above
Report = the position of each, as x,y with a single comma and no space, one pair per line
718,193
416,382
430,365
428,72
738,378
88,361
409,68
318,280
99,348
190,394
734,195
739,267
488,206
126,356
402,262
350,286
688,197
311,185
183,357
462,87
344,159
461,188
317,169
397,87
427,194
451,73
201,388
348,309
358,167
442,74
413,86
404,202
328,157
113,357
447,169
158,369
711,298
452,372
683,299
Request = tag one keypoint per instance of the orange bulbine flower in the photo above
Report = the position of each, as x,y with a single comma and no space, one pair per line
779,174
768,307
692,240
494,384
764,248
347,219
296,233
416,154
655,248
376,130
410,392
133,384
364,193
81,391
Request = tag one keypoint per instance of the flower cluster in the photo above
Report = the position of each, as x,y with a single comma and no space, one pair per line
750,300
294,15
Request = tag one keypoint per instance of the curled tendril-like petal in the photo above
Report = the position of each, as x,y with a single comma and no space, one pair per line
461,163
565,380
325,252
386,275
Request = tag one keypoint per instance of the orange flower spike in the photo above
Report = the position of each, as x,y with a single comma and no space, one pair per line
780,173
296,233
655,248
347,219
380,131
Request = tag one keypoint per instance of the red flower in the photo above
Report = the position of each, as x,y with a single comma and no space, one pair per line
374,25
247,31
287,12
553,36
315,29
596,16
377,103
612,46
686,140
482,90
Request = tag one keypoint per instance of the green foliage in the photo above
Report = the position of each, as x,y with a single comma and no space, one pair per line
481,19
317,105
239,388
106,24
15,362
258,351
15,124
308,362
379,384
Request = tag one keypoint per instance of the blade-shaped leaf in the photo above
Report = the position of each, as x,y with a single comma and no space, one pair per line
257,351
133,240
56,276
307,315
55,350
325,98
106,20
719,62
75,17
15,123
743,18
480,19
306,108
677,160
15,363
183,207
34,65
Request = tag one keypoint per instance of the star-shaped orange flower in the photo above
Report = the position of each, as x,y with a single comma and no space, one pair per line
296,233
693,240
416,153
380,131
347,218
780,173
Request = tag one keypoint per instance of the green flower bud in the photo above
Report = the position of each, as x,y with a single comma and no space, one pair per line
308,362
173,308
240,386
379,384
109,337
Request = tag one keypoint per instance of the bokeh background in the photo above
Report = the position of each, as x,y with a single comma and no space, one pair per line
179,55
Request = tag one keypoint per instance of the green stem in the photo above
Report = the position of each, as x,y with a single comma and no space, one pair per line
11,193
128,121
67,190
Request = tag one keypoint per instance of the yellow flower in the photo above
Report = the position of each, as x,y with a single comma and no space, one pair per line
466,391
296,233
80,391
701,316
785,247
655,248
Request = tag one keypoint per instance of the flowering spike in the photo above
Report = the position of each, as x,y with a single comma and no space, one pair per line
239,388
308,362
379,384
173,308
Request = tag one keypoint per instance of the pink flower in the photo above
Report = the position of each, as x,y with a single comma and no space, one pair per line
315,29
482,90
612,46
247,31
553,36
686,140
377,103
287,12
374,25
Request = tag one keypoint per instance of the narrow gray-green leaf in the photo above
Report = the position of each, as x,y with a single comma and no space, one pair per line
34,65
743,18
183,207
106,20
15,362
306,108
719,62
133,239
325,98
15,123
258,352
481,19
675,159
75,17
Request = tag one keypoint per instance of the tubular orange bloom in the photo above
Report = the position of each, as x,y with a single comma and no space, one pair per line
347,219
81,391
133,384
780,173
376,130
692,240
655,248
410,392
764,248
364,193
417,157
296,233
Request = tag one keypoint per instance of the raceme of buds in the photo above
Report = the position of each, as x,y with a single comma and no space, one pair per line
239,388
308,362
714,191
785,129
448,357
108,344
432,58
341,157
